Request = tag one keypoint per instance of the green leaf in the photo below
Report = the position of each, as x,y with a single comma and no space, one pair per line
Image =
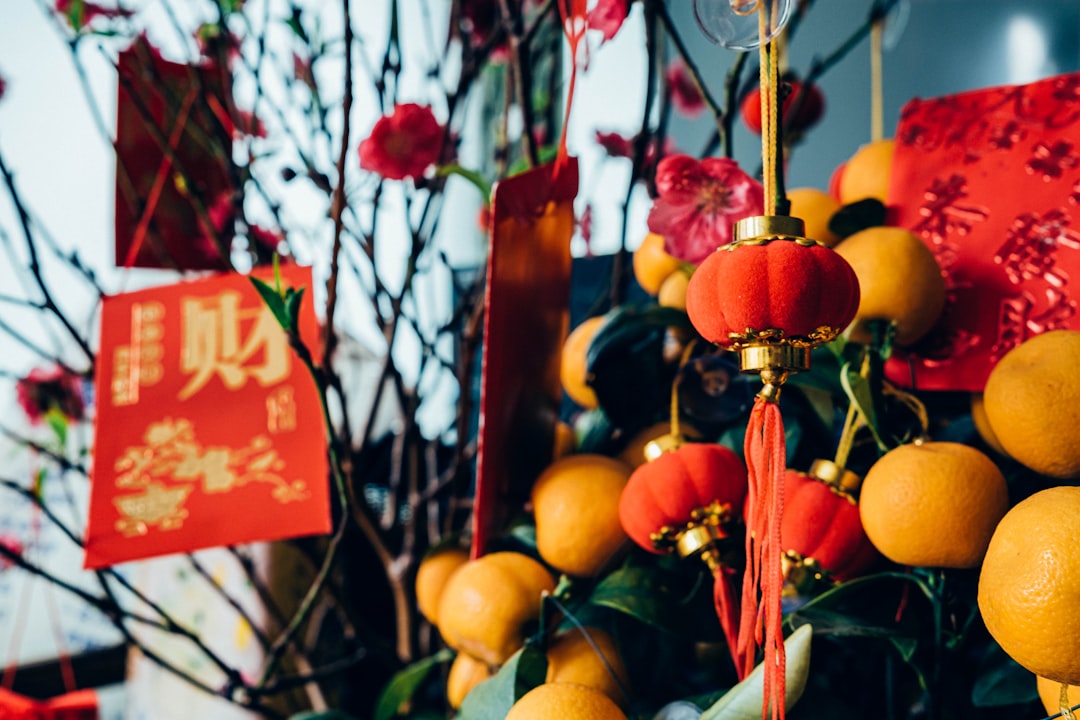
296,26
857,216
857,388
493,698
1002,681
472,176
293,299
58,423
638,592
404,684
744,701
274,300
322,715
626,367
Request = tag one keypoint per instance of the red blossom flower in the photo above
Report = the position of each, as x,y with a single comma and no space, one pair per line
80,13
302,70
685,95
699,201
13,546
3,86
615,144
262,243
403,144
47,389
607,16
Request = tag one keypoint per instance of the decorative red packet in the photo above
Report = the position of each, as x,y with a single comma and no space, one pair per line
525,323
182,107
208,429
77,705
990,181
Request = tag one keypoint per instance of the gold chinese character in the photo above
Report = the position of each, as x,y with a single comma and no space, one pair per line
281,410
214,343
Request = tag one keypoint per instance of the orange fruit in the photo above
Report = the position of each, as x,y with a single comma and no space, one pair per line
816,208
1050,694
982,424
652,264
435,569
1029,586
573,370
672,292
1032,401
487,603
466,672
933,504
565,701
899,280
571,658
576,507
866,174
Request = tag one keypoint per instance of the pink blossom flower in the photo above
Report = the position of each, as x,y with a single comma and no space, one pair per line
3,86
80,13
607,17
685,96
403,144
699,201
46,389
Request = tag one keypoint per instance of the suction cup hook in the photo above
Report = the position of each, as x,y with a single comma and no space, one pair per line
734,23
896,20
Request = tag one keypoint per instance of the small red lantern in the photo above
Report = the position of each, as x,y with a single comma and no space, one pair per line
821,534
684,501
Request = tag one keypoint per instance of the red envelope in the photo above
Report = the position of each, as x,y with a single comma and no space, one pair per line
184,108
525,322
78,705
208,429
990,181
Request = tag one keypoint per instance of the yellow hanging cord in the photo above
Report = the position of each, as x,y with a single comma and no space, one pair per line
877,112
683,359
1063,703
768,78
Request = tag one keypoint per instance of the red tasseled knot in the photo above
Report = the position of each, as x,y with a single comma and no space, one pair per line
669,491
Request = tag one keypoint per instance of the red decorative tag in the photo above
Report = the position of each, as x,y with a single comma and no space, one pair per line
990,180
208,428
78,705
173,139
525,323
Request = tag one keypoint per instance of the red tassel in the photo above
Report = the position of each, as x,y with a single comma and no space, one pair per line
727,609
762,615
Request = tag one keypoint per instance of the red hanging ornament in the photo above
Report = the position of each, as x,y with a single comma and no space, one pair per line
771,295
684,501
821,533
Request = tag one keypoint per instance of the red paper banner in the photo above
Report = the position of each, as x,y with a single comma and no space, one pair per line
208,429
172,144
990,180
525,323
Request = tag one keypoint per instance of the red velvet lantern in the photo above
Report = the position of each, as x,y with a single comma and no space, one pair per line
821,533
684,501
771,295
